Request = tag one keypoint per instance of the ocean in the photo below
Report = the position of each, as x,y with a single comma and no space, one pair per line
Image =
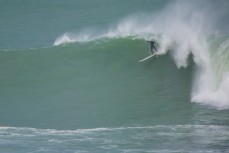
71,80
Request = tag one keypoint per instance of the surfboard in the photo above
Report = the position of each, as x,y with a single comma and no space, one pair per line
147,57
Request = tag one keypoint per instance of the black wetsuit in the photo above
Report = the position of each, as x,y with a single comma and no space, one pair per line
152,46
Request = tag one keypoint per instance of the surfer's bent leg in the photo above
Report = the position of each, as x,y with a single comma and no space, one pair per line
151,47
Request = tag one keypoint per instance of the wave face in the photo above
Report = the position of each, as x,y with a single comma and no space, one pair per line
183,28
94,84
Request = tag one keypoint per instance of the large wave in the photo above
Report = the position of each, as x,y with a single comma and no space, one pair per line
183,28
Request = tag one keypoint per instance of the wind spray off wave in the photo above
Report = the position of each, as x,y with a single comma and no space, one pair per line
183,28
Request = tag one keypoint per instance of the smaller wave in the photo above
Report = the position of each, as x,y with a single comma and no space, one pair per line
23,130
156,138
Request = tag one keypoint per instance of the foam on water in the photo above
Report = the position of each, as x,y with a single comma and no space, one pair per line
119,139
182,28
216,89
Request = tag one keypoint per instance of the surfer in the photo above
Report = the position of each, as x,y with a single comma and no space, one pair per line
152,49
152,46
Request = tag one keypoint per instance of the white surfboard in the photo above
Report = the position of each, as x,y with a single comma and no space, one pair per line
147,57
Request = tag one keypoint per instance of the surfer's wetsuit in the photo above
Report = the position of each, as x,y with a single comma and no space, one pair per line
152,45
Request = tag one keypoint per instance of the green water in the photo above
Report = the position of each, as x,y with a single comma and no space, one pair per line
94,96
87,86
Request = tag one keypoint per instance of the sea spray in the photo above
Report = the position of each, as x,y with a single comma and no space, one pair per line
183,29
216,88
